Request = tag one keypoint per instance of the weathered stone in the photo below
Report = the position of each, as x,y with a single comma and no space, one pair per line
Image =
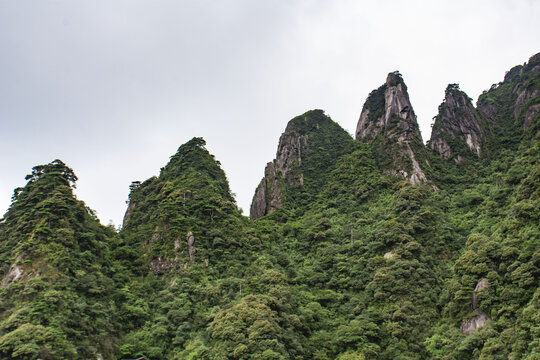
127,215
268,196
482,284
525,89
159,265
397,123
191,249
530,112
14,274
457,119
470,325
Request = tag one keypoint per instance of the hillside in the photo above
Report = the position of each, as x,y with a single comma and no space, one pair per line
378,247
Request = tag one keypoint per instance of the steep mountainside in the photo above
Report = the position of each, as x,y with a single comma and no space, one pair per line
388,122
512,107
457,127
57,290
171,219
310,140
349,254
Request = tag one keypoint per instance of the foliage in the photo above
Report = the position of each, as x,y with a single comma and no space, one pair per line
356,264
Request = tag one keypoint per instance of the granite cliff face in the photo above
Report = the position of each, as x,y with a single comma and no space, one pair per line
311,141
457,127
516,98
268,196
527,105
388,121
284,170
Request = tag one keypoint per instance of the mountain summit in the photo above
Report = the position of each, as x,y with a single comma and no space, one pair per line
388,121
457,129
306,152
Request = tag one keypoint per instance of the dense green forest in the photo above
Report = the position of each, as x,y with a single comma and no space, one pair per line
370,248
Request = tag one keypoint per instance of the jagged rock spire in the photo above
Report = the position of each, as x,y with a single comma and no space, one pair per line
268,196
388,119
311,141
457,126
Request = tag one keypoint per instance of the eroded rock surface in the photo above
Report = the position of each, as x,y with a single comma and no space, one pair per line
523,103
160,265
457,126
310,133
127,215
268,196
473,323
388,117
14,274
191,249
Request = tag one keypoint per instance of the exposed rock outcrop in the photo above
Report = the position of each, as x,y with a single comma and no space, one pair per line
14,274
285,168
268,196
517,95
160,265
388,120
527,105
127,215
480,318
309,133
191,249
457,126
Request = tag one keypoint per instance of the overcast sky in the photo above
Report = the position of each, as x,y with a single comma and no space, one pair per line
113,88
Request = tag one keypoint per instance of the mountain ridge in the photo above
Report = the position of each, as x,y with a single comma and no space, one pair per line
359,257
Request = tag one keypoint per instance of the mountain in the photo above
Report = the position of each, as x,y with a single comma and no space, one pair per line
306,153
57,290
457,130
349,252
388,122
171,219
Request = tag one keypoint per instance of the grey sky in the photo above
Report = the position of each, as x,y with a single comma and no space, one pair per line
113,88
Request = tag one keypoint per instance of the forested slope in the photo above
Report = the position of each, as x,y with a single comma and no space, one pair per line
370,248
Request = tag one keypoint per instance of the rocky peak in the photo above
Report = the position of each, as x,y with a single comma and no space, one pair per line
310,141
390,101
268,196
516,100
285,169
457,126
388,117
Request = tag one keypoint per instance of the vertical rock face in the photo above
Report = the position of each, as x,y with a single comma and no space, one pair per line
388,120
268,195
285,169
516,98
129,210
527,105
311,141
191,249
470,325
457,126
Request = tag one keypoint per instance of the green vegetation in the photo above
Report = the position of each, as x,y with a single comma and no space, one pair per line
356,264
